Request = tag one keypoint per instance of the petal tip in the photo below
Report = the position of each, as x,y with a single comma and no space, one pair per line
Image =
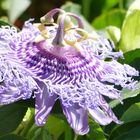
82,131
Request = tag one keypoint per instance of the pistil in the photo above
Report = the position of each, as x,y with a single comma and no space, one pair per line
64,23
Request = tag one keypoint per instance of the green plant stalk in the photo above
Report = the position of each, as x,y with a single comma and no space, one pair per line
27,126
121,4
75,137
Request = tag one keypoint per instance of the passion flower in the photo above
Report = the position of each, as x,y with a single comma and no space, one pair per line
62,61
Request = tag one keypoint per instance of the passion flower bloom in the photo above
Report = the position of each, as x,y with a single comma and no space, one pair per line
62,61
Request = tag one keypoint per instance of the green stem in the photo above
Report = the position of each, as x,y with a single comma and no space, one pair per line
121,4
28,126
75,137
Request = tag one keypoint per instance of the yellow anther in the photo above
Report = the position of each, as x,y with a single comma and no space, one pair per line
70,41
39,38
44,33
85,35
45,20
69,38
78,47
40,26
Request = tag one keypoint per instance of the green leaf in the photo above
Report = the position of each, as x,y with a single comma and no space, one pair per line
114,33
130,31
132,114
54,128
54,121
16,7
86,8
10,117
3,23
27,103
135,5
127,94
119,110
133,134
136,64
92,8
114,17
76,9
131,56
128,3
96,132
40,133
72,7
130,37
68,133
123,129
12,137
110,4
131,121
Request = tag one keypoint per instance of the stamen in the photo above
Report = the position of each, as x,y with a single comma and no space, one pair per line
48,18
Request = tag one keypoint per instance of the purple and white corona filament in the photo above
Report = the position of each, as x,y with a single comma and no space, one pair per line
62,61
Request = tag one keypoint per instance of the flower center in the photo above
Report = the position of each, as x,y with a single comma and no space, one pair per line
66,37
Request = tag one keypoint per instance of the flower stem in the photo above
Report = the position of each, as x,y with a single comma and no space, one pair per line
28,125
75,137
121,4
